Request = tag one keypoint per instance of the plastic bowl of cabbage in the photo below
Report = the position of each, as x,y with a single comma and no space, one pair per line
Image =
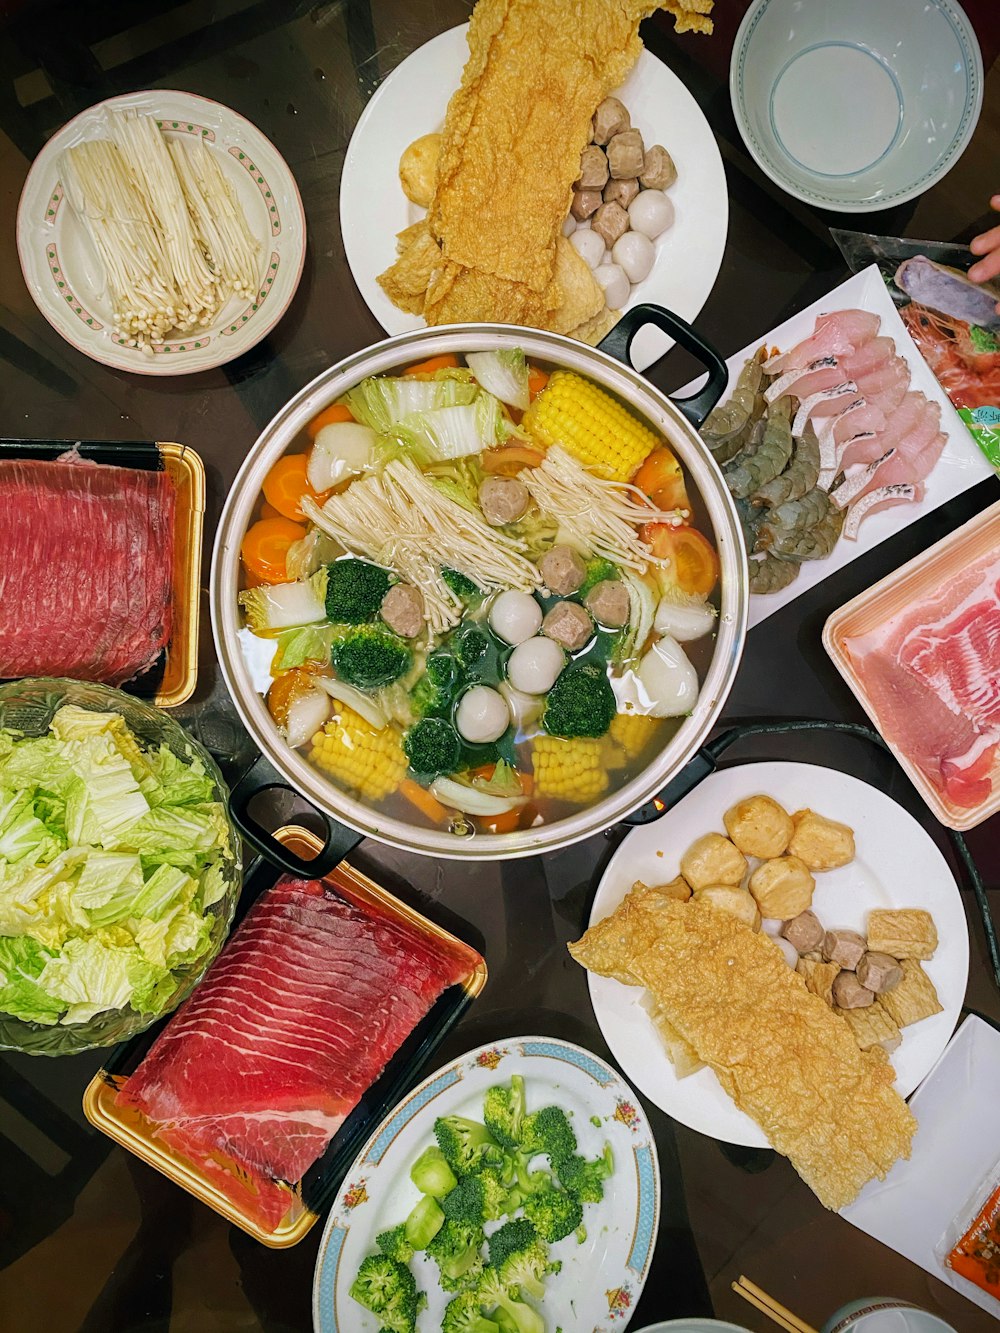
119,865
479,591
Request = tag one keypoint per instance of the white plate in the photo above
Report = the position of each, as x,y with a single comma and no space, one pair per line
897,865
65,278
961,465
954,1153
413,101
604,1274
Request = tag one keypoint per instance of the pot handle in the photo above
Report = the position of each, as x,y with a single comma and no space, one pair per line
696,406
261,776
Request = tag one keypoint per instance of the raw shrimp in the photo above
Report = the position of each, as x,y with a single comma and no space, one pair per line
751,470
751,518
795,516
812,544
799,476
771,573
728,426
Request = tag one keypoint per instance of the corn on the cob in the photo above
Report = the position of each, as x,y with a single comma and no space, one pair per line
358,755
570,770
632,731
590,425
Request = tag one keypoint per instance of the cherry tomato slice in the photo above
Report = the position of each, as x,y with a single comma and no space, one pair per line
662,479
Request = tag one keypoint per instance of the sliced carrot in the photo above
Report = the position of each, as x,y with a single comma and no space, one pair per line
265,547
446,361
335,412
527,781
269,511
537,380
286,484
283,690
511,458
694,564
424,801
505,823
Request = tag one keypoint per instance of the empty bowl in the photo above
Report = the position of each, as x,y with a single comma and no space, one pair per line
853,105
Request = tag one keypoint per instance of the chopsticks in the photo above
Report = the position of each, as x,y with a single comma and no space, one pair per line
782,1317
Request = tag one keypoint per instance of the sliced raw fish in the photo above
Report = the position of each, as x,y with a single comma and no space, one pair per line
889,399
295,1019
864,447
822,374
883,378
826,403
868,357
859,415
858,478
837,333
881,498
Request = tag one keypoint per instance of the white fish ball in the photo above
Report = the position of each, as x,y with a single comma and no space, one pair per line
635,253
771,925
788,949
589,246
668,678
482,715
650,213
515,616
611,277
534,665
569,226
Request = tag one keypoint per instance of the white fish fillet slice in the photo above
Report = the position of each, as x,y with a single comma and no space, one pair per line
883,498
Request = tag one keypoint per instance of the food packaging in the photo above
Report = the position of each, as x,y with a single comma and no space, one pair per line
317,1187
911,583
964,356
171,682
970,1246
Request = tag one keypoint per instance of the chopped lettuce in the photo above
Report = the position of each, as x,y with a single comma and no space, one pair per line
504,374
312,643
111,857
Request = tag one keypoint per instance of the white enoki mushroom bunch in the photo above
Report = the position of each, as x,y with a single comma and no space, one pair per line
400,519
601,515
167,227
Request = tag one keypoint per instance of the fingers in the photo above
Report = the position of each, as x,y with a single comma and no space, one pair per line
986,268
985,241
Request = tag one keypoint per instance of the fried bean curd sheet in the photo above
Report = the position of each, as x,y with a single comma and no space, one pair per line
782,1055
518,123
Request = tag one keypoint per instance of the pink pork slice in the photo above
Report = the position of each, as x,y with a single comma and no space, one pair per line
295,1019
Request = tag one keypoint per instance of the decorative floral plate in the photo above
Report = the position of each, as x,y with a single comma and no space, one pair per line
66,281
600,1280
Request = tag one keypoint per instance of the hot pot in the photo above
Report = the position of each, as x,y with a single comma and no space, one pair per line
348,819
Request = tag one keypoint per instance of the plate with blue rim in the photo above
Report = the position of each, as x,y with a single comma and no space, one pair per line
601,1276
855,106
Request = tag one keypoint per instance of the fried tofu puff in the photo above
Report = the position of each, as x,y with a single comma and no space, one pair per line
783,887
729,899
821,843
418,168
759,827
712,859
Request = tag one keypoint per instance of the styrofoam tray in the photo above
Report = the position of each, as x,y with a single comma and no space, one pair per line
909,584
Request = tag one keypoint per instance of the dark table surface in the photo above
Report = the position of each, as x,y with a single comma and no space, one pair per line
90,1238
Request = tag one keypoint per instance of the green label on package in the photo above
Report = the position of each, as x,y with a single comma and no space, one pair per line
984,422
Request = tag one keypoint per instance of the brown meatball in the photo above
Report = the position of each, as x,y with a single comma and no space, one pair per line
849,993
584,203
658,170
804,931
562,569
879,972
593,169
610,118
845,947
403,610
621,192
608,602
503,500
626,155
569,625
610,222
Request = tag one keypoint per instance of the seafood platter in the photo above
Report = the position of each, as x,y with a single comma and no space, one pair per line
481,591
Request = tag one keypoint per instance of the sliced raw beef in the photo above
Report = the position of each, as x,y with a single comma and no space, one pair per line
295,1019
86,569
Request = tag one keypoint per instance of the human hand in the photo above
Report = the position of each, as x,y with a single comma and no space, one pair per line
987,244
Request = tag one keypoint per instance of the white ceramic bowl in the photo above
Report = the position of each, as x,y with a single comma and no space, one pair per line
856,105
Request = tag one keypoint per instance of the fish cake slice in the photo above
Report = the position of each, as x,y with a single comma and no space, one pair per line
907,932
913,998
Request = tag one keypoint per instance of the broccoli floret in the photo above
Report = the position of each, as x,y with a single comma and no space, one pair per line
431,1173
480,1197
580,703
458,1251
433,747
434,692
460,584
466,1144
497,1296
464,1315
369,657
386,1288
598,571
471,644
554,1213
503,1111
394,1243
424,1222
529,1182
584,1179
521,1257
514,1237
550,1132
354,591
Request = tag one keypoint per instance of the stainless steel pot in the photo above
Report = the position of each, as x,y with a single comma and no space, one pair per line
608,365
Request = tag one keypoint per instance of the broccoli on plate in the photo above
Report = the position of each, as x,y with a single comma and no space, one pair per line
585,1178
466,1143
387,1288
554,1213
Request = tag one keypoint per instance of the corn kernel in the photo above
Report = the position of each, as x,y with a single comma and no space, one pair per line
589,424
358,755
632,731
571,770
